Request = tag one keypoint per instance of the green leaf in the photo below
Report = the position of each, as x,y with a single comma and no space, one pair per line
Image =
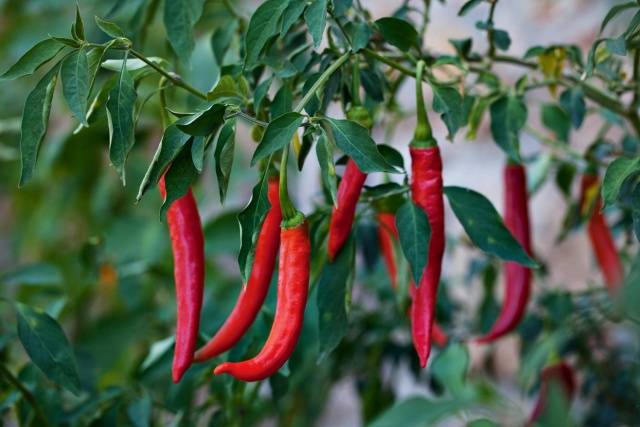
475,116
450,369
110,28
630,292
75,83
33,59
324,153
139,411
617,172
360,34
179,18
282,102
483,422
223,156
556,411
615,10
262,26
35,119
197,152
221,40
178,180
398,32
448,102
46,344
33,274
77,29
205,121
120,113
414,233
291,15
508,117
417,412
502,39
334,299
340,7
557,120
173,141
468,6
572,101
354,140
484,226
316,18
250,220
277,135
229,91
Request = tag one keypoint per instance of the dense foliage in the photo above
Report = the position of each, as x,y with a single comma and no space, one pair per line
175,88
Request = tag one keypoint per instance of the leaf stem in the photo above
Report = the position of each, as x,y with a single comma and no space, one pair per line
321,81
26,393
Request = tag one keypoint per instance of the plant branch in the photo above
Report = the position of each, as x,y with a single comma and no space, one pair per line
321,81
26,393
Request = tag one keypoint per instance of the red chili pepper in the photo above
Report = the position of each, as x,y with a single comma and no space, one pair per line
293,282
187,243
345,209
253,294
600,235
561,374
517,276
426,191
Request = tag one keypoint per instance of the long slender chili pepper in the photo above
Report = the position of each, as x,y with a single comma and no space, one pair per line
387,232
517,276
293,284
426,191
560,374
187,243
600,234
254,292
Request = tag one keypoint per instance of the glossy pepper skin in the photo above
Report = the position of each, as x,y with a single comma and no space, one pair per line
600,235
343,213
560,373
517,276
255,291
387,232
426,191
293,283
187,243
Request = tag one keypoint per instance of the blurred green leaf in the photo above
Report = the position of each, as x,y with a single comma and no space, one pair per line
450,368
418,412
316,18
41,53
324,153
262,26
557,120
110,28
139,411
398,32
178,180
33,274
508,116
448,102
179,18
617,172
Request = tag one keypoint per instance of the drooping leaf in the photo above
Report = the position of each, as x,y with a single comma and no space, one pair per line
557,120
277,135
354,141
197,152
448,102
261,92
630,292
110,28
178,180
77,29
334,299
484,226
617,172
262,26
508,117
327,167
33,59
316,18
35,119
282,101
398,32
360,34
223,156
450,369
120,112
229,91
414,233
205,121
75,83
46,344
179,18
573,102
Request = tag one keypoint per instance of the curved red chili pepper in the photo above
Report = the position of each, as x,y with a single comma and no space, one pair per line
345,209
387,231
563,375
255,291
600,236
426,191
293,283
517,276
187,243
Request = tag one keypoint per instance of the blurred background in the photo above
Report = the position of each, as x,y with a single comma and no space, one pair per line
74,242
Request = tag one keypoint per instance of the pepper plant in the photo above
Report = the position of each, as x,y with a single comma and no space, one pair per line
237,102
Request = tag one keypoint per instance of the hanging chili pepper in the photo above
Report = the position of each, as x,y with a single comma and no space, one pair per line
255,291
600,234
293,283
187,243
560,374
426,191
387,232
517,276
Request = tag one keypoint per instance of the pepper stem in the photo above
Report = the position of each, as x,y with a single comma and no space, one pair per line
423,136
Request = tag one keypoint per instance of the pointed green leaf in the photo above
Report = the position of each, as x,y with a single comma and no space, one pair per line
77,30
33,59
197,152
398,32
316,18
282,102
179,178
508,117
35,119
110,28
262,26
572,101
418,412
180,16
221,40
484,226
277,135
557,120
46,344
75,83
205,121
223,156
414,233
448,102
291,15
450,369
327,167
120,113
468,6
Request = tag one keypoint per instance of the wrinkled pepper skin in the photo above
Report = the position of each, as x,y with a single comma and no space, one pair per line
293,284
343,214
517,276
560,373
426,191
253,294
187,243
600,236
